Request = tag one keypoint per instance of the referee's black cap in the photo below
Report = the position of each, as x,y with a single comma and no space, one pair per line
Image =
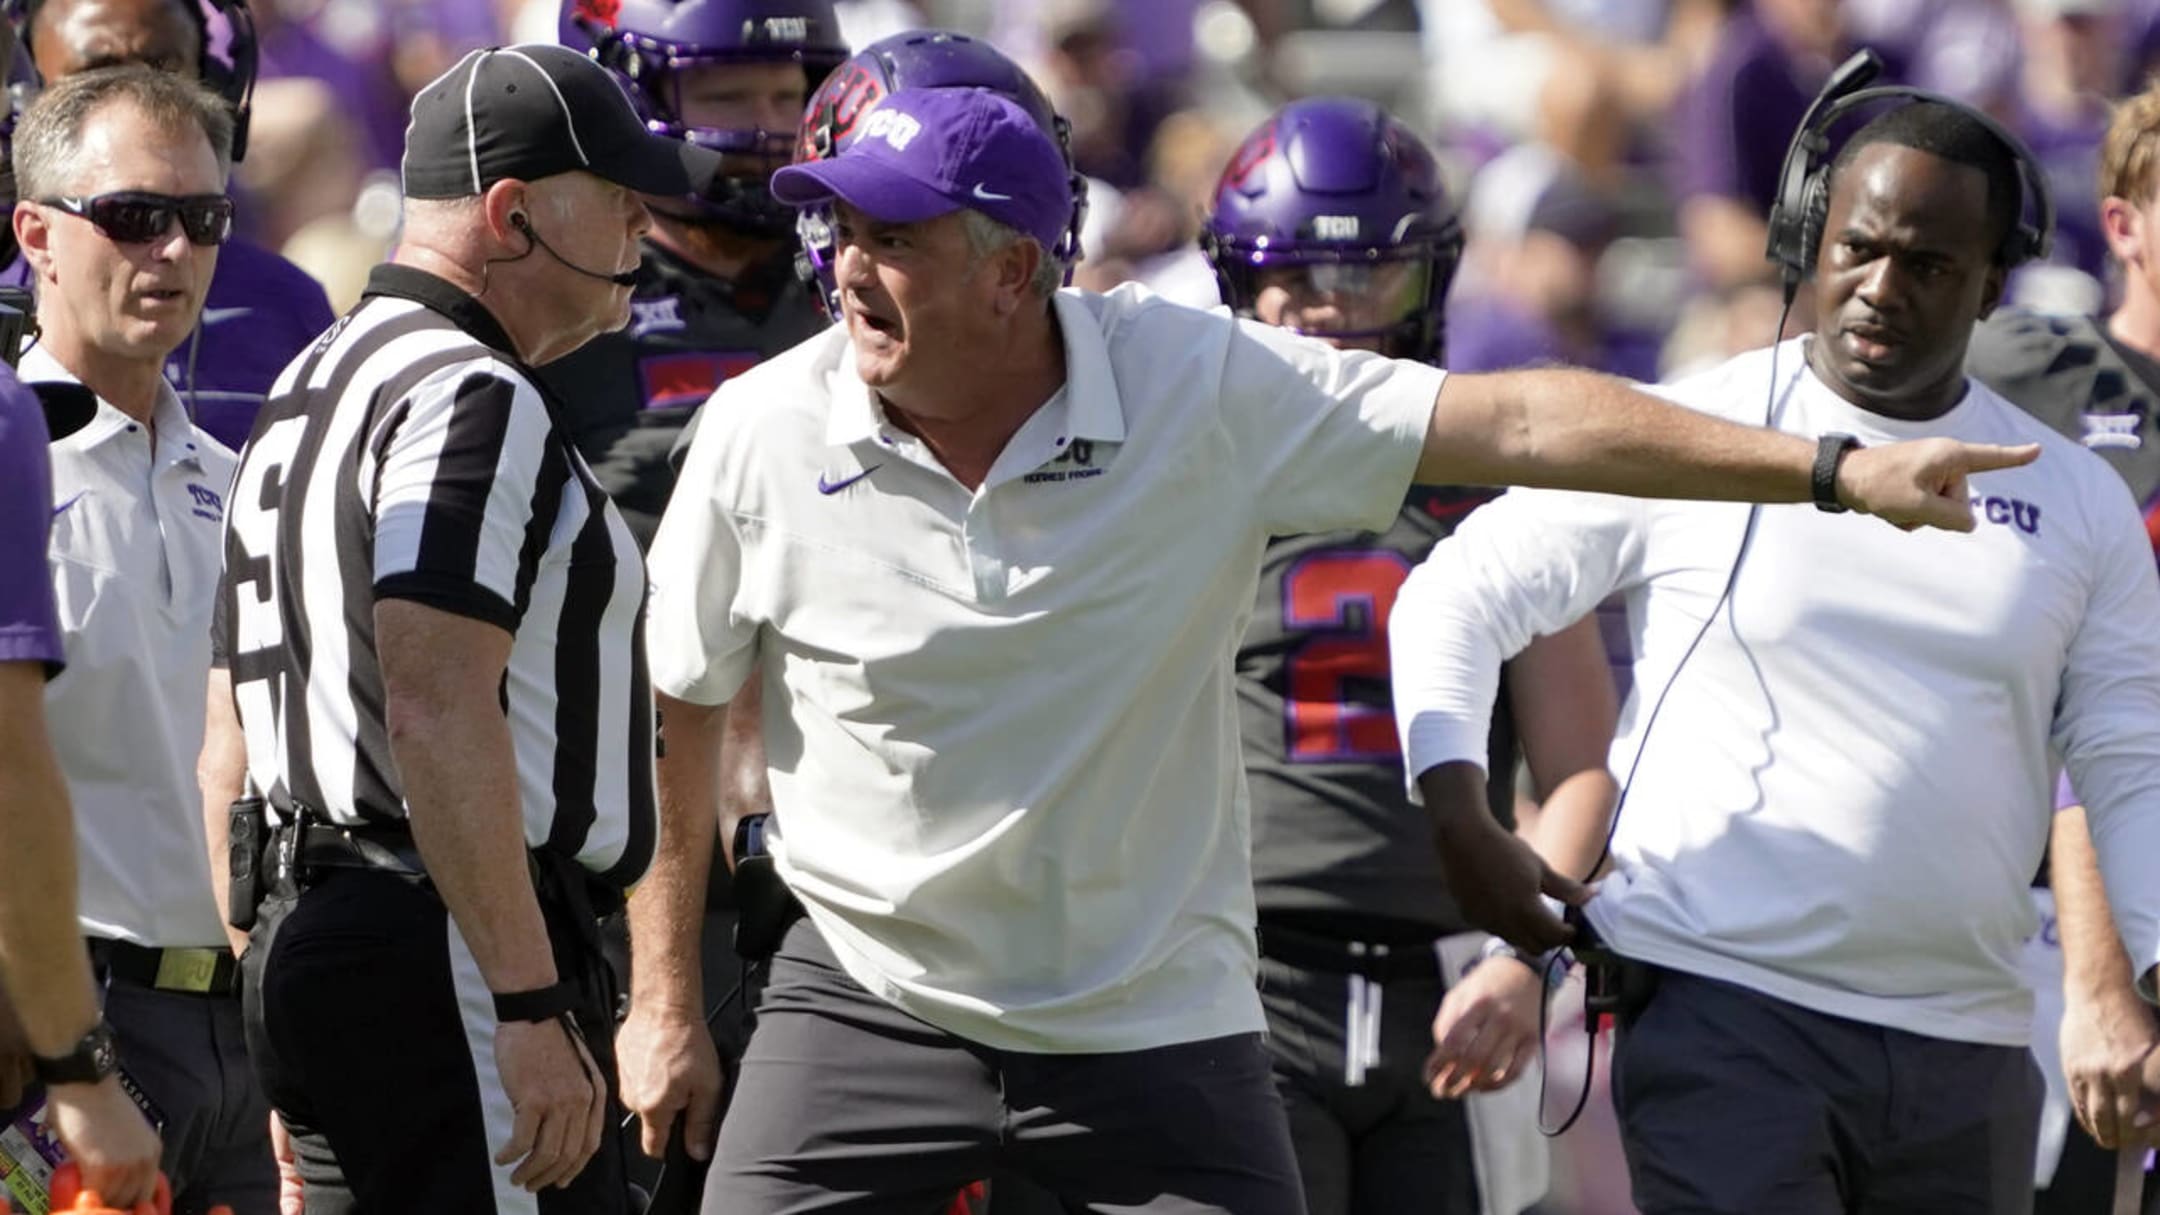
533,111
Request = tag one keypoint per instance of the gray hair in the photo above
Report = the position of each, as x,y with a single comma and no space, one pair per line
48,140
986,236
452,218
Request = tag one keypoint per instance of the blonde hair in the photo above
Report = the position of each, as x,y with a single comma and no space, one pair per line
2130,155
48,140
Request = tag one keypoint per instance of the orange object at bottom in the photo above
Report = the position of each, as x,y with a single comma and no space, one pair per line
68,1196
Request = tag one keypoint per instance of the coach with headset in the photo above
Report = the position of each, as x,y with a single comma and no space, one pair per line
1838,769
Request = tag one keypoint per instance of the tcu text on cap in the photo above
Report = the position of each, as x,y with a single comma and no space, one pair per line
893,127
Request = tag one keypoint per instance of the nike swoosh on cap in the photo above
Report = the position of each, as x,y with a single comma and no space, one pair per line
990,196
826,485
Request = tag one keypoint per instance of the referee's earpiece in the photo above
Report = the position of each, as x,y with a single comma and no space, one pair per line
517,220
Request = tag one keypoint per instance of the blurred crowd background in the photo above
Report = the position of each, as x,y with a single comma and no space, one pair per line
1612,161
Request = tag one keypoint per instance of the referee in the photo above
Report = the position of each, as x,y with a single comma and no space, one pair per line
430,612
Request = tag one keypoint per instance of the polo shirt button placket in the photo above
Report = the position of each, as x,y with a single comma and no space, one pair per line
983,559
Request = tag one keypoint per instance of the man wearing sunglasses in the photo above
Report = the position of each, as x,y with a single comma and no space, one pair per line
262,309
122,173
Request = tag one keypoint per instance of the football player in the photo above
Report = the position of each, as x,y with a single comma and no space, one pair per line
1331,220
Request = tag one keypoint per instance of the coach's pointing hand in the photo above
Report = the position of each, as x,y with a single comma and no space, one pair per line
1922,483
557,1101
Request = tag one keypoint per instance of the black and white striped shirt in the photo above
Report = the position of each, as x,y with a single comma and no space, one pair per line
408,455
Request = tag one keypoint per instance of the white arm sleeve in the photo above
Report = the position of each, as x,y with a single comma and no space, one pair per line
1526,565
2107,726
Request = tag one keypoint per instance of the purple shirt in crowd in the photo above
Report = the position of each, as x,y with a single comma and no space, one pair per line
1487,334
368,91
2069,157
29,626
262,311
1737,117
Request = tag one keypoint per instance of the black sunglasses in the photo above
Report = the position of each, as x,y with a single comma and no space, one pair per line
137,217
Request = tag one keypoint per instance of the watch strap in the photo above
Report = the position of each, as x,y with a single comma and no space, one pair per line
93,1058
1822,478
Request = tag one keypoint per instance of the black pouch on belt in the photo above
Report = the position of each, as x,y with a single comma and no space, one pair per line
764,904
243,859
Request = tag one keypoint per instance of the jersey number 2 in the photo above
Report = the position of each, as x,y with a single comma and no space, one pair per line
1340,599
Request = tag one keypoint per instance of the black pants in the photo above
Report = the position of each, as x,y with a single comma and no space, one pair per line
1371,1139
847,1104
373,1035
676,1186
188,1054
1735,1103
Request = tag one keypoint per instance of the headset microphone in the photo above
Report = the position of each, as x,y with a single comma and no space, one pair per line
627,278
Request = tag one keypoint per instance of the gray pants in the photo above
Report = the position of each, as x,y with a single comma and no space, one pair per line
1731,1101
189,1054
1371,1139
845,1103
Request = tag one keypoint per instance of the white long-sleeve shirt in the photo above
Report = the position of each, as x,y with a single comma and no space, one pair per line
1847,791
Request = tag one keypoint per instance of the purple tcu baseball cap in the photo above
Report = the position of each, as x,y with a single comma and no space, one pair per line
924,152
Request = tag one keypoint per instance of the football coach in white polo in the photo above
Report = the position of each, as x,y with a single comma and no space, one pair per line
991,546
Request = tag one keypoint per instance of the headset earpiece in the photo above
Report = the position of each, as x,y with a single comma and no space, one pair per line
1814,217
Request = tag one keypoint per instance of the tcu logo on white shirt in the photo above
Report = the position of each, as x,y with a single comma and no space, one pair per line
893,127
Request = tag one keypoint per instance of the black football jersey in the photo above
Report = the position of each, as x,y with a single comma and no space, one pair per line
1333,830
2067,372
629,394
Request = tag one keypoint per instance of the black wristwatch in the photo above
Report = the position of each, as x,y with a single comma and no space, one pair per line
1822,479
93,1059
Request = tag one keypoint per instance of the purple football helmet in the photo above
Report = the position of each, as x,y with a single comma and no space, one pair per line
917,59
649,43
1333,194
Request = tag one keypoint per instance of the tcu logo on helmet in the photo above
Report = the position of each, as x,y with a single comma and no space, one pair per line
1335,227
787,29
895,128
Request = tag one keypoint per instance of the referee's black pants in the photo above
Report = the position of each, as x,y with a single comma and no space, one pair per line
373,1034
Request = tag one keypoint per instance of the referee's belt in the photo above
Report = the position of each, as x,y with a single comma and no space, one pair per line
1381,963
200,972
294,849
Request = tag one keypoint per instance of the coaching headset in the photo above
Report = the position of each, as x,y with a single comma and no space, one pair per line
1803,197
233,80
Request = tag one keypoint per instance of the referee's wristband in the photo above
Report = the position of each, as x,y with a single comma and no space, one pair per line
539,1004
